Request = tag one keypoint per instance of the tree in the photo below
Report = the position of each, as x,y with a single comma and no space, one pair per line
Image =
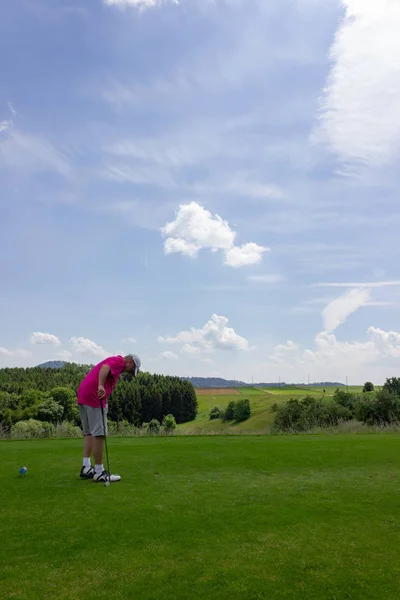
66,398
230,411
216,413
392,385
368,387
242,410
50,411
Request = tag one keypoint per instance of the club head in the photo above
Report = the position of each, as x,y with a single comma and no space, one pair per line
107,483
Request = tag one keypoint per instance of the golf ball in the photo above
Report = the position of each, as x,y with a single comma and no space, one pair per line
23,470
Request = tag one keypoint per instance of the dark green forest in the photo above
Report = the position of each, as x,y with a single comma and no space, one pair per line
49,395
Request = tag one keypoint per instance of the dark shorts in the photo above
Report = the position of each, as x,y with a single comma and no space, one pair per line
92,421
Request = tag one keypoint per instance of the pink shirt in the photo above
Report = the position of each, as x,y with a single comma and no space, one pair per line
87,392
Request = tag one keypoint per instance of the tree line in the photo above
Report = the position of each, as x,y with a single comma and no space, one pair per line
49,395
380,408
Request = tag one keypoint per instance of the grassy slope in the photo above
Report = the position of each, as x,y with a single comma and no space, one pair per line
261,400
237,518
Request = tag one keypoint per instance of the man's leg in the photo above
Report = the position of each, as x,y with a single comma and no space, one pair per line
98,449
87,471
87,450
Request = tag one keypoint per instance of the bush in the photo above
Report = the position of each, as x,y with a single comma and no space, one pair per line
154,426
308,413
384,409
242,410
216,413
229,414
274,407
368,387
169,423
28,429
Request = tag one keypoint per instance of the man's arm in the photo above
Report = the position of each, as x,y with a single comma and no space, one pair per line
104,371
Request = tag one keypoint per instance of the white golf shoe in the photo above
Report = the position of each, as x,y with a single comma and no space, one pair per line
104,477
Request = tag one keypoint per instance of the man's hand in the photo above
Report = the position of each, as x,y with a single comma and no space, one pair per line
101,391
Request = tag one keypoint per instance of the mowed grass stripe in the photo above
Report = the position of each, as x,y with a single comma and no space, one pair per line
221,517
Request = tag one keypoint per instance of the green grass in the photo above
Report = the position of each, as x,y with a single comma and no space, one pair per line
226,518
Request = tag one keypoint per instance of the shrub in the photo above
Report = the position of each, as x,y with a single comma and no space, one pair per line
216,413
309,413
28,429
384,409
153,426
274,407
229,414
68,430
368,387
242,410
169,423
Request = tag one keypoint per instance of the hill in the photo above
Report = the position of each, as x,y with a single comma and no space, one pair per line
52,364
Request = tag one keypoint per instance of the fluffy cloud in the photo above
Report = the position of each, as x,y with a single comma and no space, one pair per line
374,358
82,345
195,228
359,116
337,311
44,338
214,335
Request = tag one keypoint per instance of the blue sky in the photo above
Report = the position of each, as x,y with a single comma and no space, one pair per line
211,184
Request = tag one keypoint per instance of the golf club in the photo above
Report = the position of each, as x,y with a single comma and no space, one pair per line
107,482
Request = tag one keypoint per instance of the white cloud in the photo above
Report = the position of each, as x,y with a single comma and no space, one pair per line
82,345
18,352
31,154
169,355
131,340
214,335
375,358
242,256
44,338
376,284
190,350
195,228
4,125
337,311
360,110
140,4
282,351
266,278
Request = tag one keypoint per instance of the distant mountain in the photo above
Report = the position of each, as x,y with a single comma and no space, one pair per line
52,364
214,382
218,382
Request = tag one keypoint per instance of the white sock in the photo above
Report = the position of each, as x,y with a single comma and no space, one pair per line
86,462
99,469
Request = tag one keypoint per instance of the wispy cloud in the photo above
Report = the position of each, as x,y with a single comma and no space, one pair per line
266,278
337,311
195,228
374,284
359,114
139,4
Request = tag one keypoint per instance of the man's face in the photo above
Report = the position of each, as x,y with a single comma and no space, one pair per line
130,365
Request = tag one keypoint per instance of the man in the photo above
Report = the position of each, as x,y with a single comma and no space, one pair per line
95,389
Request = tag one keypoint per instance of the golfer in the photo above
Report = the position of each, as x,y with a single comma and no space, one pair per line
95,389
